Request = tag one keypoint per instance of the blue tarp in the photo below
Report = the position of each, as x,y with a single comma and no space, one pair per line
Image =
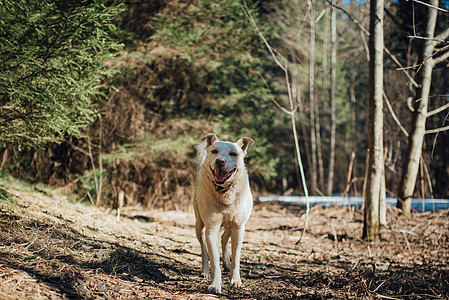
417,204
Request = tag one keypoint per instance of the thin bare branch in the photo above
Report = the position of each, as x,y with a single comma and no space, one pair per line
437,130
418,37
14,106
427,175
443,35
317,19
438,110
401,68
79,149
354,20
259,33
432,6
434,144
441,58
298,157
395,118
434,39
289,112
410,105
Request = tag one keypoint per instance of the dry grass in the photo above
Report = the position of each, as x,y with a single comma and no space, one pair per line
53,249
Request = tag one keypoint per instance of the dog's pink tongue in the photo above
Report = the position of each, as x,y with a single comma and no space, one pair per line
220,175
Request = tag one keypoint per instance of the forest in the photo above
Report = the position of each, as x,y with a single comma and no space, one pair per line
102,105
103,98
106,97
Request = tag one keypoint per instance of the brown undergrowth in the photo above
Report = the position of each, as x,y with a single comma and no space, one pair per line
53,248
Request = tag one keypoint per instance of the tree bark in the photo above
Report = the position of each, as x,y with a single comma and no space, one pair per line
416,138
319,148
330,179
373,193
313,141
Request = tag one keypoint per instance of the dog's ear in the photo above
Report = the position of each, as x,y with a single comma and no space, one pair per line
210,138
244,143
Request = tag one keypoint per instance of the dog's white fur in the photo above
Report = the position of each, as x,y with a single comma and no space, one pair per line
219,204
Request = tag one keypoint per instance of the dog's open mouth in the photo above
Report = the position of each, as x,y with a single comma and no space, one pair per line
221,175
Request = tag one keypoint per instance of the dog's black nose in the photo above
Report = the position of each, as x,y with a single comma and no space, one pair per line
220,162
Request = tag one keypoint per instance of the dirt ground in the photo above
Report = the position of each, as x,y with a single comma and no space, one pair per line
52,247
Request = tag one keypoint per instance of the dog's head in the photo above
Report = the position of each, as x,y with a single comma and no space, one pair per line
225,158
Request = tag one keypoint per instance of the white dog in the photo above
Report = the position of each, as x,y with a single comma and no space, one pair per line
222,199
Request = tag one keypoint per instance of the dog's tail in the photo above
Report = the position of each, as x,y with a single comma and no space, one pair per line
201,153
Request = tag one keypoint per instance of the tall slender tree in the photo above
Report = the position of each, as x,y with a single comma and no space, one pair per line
374,196
313,139
426,61
330,181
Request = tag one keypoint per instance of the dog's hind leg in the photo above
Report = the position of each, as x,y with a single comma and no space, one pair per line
225,250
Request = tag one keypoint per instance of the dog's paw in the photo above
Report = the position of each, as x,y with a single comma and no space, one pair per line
206,274
236,282
214,289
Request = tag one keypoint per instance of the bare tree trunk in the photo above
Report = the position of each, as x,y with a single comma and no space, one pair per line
296,96
319,148
354,118
382,203
375,168
319,144
100,166
303,128
416,138
313,141
330,179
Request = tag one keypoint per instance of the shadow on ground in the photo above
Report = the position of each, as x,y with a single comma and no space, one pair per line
67,263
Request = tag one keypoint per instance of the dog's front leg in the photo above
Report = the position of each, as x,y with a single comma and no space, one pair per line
204,255
199,226
205,262
236,241
213,246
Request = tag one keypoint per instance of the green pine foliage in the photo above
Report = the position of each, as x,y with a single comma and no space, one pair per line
218,43
222,59
51,67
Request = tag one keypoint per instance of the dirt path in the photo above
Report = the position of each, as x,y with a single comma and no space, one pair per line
51,248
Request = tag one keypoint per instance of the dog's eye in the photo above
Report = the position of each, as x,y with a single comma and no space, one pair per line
233,154
215,151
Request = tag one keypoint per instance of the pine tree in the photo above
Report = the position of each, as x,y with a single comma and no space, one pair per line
51,67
